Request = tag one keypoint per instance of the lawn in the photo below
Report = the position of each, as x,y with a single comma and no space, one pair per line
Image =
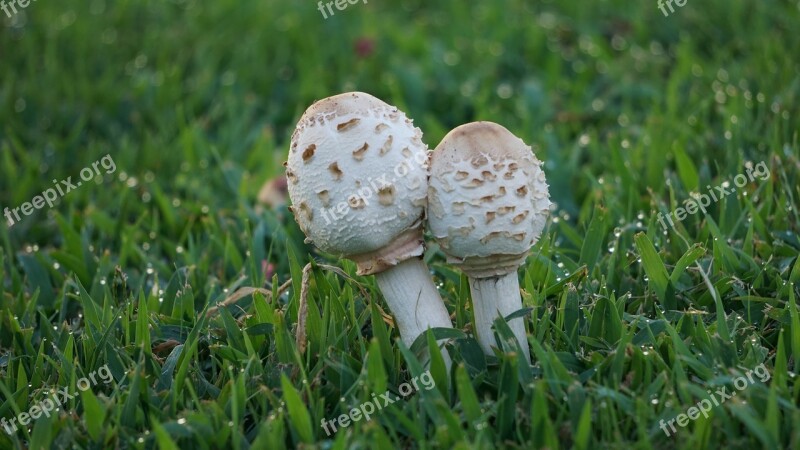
641,309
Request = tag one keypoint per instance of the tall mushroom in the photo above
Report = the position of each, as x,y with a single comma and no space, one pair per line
358,179
487,205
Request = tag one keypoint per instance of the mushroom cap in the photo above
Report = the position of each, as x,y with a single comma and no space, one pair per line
488,200
357,174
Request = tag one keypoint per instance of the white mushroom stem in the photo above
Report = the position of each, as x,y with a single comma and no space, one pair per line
497,297
414,300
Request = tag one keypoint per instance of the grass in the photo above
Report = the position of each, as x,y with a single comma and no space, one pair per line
629,323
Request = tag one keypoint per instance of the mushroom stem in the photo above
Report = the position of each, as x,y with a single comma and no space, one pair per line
413,299
497,297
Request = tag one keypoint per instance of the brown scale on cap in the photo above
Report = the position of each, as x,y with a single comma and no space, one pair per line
306,211
359,153
479,161
344,126
519,217
335,171
324,197
386,146
386,195
308,153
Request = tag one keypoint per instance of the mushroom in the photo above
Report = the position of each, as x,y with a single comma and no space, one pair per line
487,205
358,178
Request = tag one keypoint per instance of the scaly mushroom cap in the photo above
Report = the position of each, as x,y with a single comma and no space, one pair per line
357,174
487,199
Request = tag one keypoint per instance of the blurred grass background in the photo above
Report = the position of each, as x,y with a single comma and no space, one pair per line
631,111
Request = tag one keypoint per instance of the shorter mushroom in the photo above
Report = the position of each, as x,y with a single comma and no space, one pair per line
358,180
487,205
